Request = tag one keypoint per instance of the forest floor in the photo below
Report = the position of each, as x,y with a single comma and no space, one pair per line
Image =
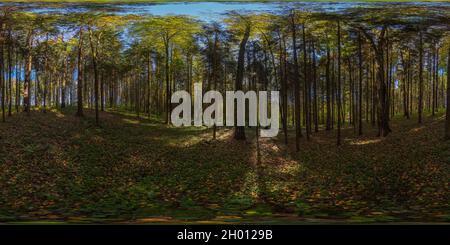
57,168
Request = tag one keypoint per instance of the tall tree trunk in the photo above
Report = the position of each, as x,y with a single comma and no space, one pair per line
420,102
63,83
447,115
27,81
284,92
328,89
2,77
307,87
80,74
339,84
315,97
168,104
360,88
404,82
10,66
214,75
239,133
96,80
18,74
435,80
296,83
102,90
149,80
382,98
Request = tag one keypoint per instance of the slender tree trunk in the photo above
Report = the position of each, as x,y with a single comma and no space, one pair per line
435,81
360,89
420,102
328,89
296,84
339,84
36,87
283,89
168,104
333,91
239,133
2,77
27,81
102,90
447,115
307,87
96,80
10,66
215,73
80,74
18,74
63,83
149,80
315,97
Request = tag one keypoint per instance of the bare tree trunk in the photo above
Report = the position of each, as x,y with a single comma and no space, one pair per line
239,133
80,75
2,77
307,88
447,115
360,89
168,104
339,84
296,83
328,89
63,83
420,102
382,98
315,97
283,90
96,81
18,73
102,90
10,66
214,74
27,81
149,80
435,81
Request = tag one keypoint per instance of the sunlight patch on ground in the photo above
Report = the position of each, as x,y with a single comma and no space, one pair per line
290,167
414,130
182,143
130,121
59,115
225,134
365,142
154,219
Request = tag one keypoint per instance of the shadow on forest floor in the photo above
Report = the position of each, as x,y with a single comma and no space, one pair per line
60,168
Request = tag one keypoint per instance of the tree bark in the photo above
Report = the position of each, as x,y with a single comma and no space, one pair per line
94,64
420,102
360,89
315,97
80,74
296,83
2,77
239,132
339,84
10,66
447,115
27,81
307,88
328,89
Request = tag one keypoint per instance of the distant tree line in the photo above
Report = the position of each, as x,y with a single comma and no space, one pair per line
351,68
